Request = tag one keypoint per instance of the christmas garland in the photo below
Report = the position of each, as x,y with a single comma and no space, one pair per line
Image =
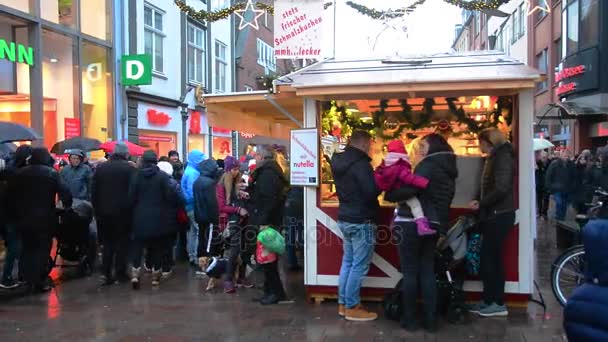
406,120
211,16
477,5
388,14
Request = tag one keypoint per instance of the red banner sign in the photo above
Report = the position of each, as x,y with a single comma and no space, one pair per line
157,118
72,127
155,138
195,122
565,88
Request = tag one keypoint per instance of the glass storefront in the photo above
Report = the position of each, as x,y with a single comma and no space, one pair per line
70,79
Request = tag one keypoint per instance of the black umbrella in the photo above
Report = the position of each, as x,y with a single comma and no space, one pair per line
80,143
10,131
6,149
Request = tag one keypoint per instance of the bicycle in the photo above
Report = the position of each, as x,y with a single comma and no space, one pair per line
567,272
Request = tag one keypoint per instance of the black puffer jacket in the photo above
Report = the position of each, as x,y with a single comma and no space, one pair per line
497,182
441,171
206,208
356,187
560,177
268,194
154,202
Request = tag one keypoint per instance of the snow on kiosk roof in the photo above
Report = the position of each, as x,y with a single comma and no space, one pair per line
420,76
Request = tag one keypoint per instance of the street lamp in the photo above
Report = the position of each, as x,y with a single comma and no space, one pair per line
185,116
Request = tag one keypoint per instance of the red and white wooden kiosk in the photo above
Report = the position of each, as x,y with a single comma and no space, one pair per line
474,81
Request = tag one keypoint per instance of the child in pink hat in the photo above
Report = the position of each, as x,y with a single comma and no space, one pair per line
395,172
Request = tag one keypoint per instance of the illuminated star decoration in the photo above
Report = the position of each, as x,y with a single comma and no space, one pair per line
391,19
241,14
546,8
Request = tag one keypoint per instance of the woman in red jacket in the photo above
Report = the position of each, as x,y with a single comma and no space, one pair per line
231,216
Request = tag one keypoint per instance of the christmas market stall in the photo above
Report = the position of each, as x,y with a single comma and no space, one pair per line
455,95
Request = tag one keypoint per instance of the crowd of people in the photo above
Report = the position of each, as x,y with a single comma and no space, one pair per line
570,180
149,210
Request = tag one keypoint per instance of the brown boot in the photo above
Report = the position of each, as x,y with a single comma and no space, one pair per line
341,310
156,274
359,314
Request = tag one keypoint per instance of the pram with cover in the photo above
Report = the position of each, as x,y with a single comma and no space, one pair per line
450,273
75,242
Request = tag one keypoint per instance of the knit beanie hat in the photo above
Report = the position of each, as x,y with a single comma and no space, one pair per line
150,157
396,146
121,149
230,163
165,167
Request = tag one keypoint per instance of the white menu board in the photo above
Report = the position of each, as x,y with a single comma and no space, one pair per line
304,153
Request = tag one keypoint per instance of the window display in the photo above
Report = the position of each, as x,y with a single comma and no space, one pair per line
97,106
459,120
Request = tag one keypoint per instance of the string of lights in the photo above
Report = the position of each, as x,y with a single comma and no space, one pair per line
388,14
477,5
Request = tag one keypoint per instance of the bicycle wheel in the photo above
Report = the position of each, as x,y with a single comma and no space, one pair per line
568,273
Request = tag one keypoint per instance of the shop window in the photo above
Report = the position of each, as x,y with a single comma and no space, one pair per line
266,58
62,12
541,14
542,65
590,29
97,93
221,64
572,27
159,142
197,142
154,36
515,27
96,18
220,4
196,55
416,119
557,55
222,147
522,19
21,5
59,84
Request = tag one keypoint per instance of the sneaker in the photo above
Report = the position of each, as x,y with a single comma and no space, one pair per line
341,310
494,310
8,284
477,307
424,227
359,314
244,283
166,275
269,300
229,287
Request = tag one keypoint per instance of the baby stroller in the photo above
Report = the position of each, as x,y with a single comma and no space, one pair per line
450,269
75,243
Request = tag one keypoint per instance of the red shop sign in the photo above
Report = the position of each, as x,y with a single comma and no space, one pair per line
157,118
221,131
565,88
155,138
569,72
72,127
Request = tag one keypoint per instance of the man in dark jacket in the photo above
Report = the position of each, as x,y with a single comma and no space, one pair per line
542,197
358,195
32,192
586,313
110,198
77,176
206,209
155,203
559,182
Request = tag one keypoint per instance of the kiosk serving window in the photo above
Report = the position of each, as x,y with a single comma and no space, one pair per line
459,120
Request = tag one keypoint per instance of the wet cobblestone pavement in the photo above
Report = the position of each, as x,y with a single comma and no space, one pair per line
78,310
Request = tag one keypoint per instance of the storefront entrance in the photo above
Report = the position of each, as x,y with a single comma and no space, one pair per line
159,142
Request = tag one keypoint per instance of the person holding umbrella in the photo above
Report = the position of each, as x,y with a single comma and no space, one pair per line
77,175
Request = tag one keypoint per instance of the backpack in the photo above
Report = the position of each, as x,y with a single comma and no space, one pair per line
392,304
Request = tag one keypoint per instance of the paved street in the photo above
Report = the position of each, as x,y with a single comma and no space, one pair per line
77,310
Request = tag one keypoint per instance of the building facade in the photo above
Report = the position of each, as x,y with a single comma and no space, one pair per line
189,58
509,34
58,67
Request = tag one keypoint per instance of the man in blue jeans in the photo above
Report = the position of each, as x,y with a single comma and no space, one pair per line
358,195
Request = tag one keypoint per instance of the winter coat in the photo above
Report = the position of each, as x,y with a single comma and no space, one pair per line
206,208
441,171
597,177
357,191
190,176
392,176
226,210
581,193
155,201
586,313
539,176
31,193
268,193
497,182
78,180
560,177
110,189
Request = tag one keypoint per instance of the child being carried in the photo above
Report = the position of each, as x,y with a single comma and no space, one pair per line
395,172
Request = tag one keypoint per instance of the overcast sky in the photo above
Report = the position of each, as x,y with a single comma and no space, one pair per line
430,29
